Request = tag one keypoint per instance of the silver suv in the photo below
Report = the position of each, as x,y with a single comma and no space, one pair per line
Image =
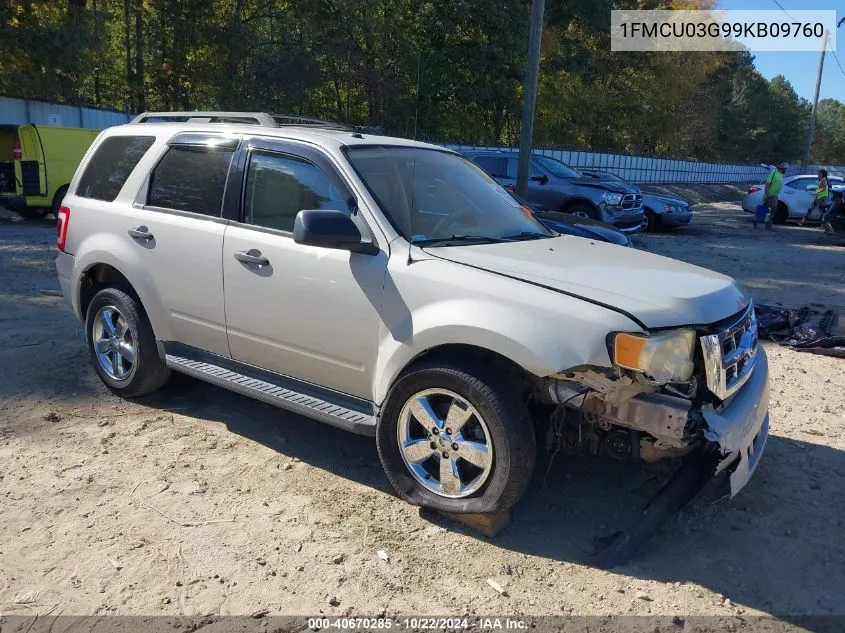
393,289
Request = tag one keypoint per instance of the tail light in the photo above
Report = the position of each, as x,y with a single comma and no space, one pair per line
62,220
16,149
754,190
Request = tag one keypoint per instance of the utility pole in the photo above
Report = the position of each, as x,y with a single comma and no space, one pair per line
529,99
812,129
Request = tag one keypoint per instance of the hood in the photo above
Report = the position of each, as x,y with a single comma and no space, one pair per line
665,199
658,291
616,186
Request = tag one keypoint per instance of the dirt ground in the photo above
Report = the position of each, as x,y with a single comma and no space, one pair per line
196,500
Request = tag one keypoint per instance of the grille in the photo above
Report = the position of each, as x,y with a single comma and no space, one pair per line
632,201
729,355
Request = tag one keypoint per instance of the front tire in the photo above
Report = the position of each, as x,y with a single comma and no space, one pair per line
652,222
456,440
122,344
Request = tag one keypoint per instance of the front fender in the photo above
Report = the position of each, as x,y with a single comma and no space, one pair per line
526,334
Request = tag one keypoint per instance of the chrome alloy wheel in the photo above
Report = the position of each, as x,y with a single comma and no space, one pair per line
114,343
445,443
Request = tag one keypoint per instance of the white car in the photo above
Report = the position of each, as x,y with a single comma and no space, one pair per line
795,198
393,289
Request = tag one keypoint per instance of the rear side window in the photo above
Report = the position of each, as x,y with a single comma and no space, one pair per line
110,166
190,179
493,165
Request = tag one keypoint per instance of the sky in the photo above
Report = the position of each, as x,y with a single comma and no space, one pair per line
801,68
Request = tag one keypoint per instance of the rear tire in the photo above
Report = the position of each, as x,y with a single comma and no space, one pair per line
33,213
492,417
57,201
122,344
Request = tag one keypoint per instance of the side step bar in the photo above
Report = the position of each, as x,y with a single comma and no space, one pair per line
285,397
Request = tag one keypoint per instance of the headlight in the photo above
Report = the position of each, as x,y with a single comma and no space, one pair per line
664,357
612,198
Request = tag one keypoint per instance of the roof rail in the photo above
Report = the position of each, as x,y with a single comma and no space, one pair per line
249,118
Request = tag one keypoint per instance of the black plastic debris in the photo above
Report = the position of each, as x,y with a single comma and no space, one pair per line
806,329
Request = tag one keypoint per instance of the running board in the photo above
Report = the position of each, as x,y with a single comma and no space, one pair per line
274,393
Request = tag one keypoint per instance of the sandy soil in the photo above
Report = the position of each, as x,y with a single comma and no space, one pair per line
199,501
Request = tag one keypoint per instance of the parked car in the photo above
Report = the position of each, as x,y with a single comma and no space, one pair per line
304,266
568,224
658,211
555,186
45,161
795,198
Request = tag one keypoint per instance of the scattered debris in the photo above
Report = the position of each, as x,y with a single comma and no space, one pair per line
51,416
25,597
383,555
117,565
338,559
497,587
287,466
334,601
260,613
642,595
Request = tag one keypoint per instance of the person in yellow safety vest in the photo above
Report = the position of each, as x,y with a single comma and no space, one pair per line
774,185
821,199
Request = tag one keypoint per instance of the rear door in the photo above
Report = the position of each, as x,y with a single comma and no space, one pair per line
310,313
30,170
799,194
168,235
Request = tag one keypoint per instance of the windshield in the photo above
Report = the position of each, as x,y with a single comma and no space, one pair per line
558,169
433,197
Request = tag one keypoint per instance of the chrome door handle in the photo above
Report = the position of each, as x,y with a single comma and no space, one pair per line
141,233
252,256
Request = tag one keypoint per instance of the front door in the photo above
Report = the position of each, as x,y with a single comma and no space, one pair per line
303,311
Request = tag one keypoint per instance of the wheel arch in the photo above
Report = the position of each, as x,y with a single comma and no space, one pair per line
579,200
100,269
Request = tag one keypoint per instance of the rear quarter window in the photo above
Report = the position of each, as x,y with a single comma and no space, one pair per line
110,166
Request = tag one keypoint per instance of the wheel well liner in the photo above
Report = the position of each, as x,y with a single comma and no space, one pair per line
96,278
467,356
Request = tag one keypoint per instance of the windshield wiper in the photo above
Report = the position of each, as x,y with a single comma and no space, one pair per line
525,235
480,239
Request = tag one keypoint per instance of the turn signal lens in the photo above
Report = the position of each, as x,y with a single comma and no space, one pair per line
663,357
628,348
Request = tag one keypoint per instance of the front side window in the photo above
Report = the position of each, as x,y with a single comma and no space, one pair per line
279,186
433,196
557,168
513,169
110,166
191,178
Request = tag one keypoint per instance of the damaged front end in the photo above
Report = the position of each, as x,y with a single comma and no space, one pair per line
714,422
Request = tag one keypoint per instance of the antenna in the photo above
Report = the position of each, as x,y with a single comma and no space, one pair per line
413,206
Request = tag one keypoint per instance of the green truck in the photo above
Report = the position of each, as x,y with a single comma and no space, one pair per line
44,159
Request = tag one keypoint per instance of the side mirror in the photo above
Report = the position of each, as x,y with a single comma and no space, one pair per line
330,229
542,179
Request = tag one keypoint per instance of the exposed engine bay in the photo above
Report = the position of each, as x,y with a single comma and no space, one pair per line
622,416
